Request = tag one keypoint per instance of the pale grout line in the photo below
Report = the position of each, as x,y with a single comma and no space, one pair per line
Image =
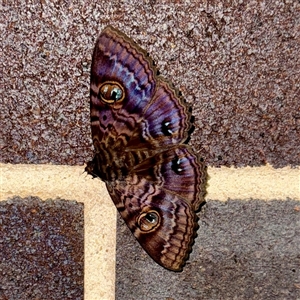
48,181
263,183
70,183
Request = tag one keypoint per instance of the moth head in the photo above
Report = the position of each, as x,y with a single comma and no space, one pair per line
148,220
111,92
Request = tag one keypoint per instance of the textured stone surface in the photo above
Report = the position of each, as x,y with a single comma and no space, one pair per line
244,250
236,62
41,249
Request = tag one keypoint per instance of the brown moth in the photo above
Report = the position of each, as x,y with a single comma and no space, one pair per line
140,128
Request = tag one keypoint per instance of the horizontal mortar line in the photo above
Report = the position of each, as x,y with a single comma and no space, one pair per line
71,183
263,183
46,181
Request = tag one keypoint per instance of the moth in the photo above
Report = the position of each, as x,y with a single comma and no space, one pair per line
140,128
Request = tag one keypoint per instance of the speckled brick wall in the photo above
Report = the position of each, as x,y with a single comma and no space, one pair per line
236,62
